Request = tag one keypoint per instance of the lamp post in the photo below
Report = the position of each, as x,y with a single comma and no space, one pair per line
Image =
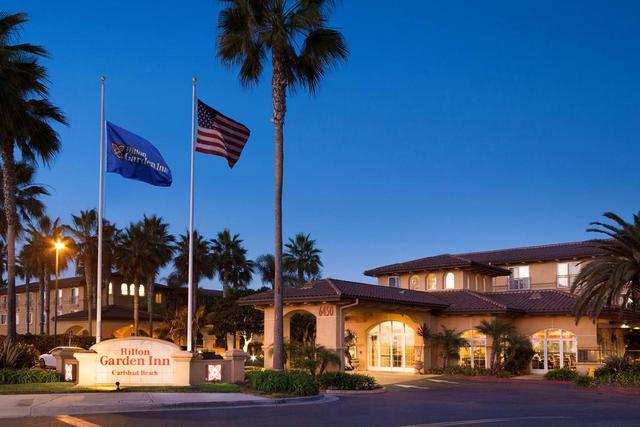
58,246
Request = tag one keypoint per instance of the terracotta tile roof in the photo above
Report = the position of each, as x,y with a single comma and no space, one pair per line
111,312
490,259
466,301
341,290
536,301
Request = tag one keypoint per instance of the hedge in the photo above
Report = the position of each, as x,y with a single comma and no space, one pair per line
296,383
44,343
563,374
344,381
27,376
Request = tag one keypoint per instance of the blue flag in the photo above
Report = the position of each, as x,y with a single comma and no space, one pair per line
134,157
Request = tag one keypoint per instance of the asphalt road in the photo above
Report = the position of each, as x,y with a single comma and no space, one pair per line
423,402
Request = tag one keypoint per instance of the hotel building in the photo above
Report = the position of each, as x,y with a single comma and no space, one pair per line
528,285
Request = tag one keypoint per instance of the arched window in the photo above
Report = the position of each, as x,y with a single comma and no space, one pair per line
477,283
124,290
484,284
414,282
391,347
141,290
110,288
432,281
474,355
449,281
553,349
132,289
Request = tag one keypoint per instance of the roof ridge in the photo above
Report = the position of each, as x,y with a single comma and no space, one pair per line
329,280
548,245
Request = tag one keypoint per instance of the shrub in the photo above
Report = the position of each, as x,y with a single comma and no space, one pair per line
27,376
344,381
298,383
504,374
563,374
618,371
310,357
18,356
584,381
517,354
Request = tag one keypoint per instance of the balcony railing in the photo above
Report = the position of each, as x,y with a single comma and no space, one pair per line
521,283
565,281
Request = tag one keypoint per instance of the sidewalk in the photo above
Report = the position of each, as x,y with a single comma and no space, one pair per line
31,405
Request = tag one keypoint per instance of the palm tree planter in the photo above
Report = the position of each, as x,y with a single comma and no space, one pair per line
302,49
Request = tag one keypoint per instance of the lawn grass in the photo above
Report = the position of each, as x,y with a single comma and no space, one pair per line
61,387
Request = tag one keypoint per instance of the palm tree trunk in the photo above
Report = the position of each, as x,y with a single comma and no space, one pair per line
41,298
150,291
279,103
47,291
28,297
9,188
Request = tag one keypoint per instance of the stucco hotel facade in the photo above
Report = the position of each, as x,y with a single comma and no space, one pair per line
528,285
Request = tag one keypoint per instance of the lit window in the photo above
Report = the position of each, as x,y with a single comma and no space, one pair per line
553,349
17,319
449,281
132,289
484,284
414,283
567,272
158,298
519,277
432,282
30,318
474,354
477,283
110,288
141,290
124,290
394,281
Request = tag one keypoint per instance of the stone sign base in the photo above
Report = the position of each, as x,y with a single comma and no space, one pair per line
142,361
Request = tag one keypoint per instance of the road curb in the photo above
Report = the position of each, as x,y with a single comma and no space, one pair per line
354,392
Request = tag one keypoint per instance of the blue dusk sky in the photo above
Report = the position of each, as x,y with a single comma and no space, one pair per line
454,126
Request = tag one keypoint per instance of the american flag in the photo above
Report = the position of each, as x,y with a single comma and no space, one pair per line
219,135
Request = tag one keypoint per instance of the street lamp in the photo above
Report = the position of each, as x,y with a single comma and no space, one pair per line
58,247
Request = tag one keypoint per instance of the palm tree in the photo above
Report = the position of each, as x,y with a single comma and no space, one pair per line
449,341
133,261
265,264
302,49
303,258
498,330
427,337
611,279
26,116
30,270
160,249
202,262
28,204
230,261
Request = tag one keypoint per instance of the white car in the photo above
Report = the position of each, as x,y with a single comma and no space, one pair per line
48,360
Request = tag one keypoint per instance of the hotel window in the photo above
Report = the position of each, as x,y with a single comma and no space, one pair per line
432,281
141,290
414,283
567,272
132,289
474,354
3,319
75,295
477,283
30,318
59,296
449,281
124,289
158,298
110,288
553,349
394,281
17,319
519,278
484,284
3,302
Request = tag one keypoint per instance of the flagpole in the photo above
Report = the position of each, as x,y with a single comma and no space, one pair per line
190,296
100,214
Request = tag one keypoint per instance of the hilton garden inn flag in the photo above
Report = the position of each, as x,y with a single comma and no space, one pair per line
134,157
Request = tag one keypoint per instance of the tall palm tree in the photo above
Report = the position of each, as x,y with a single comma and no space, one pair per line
29,271
611,279
133,262
230,261
302,257
160,247
498,330
202,262
302,49
26,115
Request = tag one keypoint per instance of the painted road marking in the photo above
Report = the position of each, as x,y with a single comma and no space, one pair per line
411,386
441,381
75,422
485,421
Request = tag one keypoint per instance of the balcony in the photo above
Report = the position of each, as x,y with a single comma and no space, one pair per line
565,281
518,284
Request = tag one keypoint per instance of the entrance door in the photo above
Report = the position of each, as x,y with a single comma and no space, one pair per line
391,347
553,349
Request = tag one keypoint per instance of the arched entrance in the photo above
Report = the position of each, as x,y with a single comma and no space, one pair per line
302,328
553,349
391,347
474,355
76,330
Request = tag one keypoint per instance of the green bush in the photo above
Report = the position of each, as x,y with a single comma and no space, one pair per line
44,343
618,371
27,376
18,355
297,383
344,381
563,374
459,370
584,381
504,374
517,354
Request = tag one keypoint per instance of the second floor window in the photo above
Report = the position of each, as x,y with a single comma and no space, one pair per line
394,281
124,289
432,282
110,288
75,294
519,278
158,298
567,272
3,319
449,281
30,318
414,283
